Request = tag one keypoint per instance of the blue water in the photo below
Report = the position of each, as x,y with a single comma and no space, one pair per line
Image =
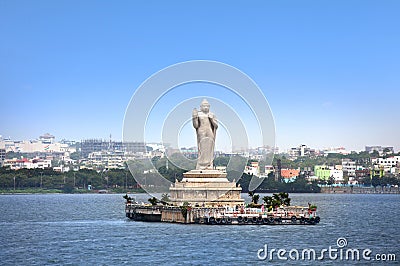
92,230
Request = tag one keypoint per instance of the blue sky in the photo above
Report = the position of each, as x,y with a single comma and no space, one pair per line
329,69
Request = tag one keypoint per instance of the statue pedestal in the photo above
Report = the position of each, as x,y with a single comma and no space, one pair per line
206,188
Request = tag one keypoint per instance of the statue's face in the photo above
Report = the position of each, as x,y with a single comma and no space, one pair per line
205,108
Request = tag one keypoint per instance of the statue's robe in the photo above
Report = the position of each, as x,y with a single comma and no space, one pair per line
206,128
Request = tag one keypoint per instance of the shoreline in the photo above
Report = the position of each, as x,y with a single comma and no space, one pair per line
57,191
324,190
359,190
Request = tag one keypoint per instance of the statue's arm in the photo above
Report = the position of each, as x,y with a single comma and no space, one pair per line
214,121
195,119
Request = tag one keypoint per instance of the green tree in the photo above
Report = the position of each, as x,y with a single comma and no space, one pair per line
221,161
68,188
376,181
165,199
153,201
75,155
255,198
276,200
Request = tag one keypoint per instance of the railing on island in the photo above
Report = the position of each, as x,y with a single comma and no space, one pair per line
221,215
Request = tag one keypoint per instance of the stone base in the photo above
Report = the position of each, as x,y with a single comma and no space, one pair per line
208,188
205,173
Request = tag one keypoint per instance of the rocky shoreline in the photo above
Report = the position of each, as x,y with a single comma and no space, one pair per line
360,190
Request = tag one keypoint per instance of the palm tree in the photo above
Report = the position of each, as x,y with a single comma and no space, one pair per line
153,201
268,201
255,198
285,200
277,200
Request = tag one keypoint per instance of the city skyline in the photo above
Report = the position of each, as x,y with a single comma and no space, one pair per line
328,70
338,149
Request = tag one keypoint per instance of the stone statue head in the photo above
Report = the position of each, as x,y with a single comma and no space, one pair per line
205,106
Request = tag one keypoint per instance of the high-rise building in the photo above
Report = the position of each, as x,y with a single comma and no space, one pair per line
2,156
97,145
349,166
92,145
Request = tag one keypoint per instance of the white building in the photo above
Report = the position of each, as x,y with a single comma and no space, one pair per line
301,151
156,147
253,169
268,169
16,164
106,159
390,161
349,166
47,138
337,175
45,144
337,150
388,164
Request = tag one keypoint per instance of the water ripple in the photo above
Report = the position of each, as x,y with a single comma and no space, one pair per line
92,230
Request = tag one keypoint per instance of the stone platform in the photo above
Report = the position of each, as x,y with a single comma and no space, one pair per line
206,188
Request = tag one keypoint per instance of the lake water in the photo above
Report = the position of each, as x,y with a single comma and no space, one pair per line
92,230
